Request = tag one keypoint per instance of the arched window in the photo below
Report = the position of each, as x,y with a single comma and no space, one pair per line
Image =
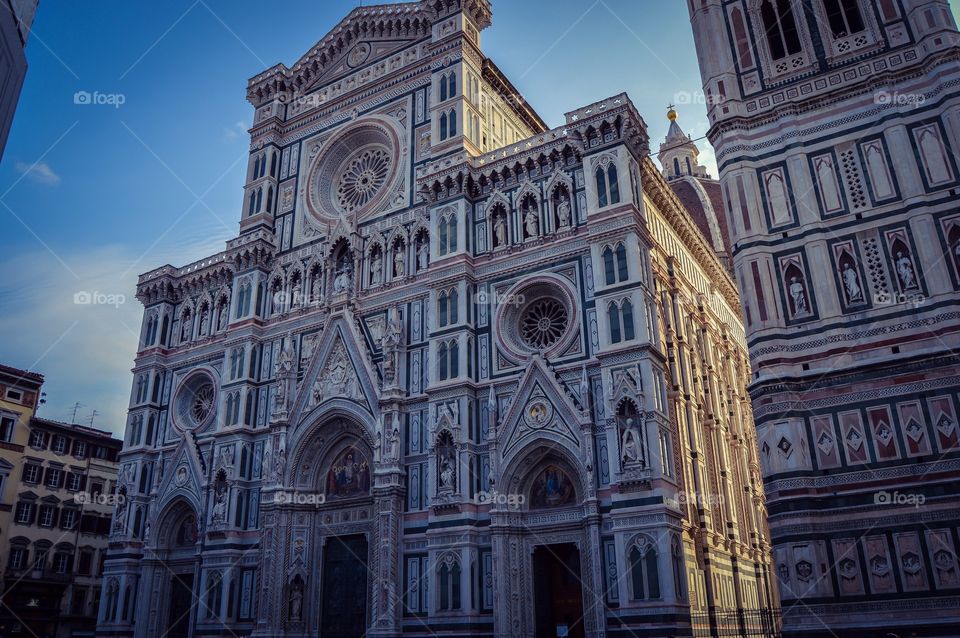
676,167
844,17
613,317
644,574
443,317
443,88
259,199
443,372
622,268
676,560
273,165
452,244
442,236
443,126
626,311
449,586
454,299
609,268
453,83
601,187
780,27
614,183
689,167
454,353
270,199
453,123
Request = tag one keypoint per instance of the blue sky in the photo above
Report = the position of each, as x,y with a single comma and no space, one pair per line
91,195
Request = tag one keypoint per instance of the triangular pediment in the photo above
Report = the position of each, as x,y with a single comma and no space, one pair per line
357,56
183,474
540,409
338,370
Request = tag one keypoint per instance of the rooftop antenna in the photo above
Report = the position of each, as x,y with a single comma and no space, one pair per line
76,406
92,416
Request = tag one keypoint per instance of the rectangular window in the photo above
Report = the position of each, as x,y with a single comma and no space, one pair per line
18,558
40,561
68,519
24,513
8,424
37,439
74,482
31,473
60,444
53,478
666,454
61,562
47,514
14,395
80,449
85,563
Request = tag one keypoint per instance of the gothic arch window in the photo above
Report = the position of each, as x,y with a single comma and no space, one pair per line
273,165
443,126
609,266
269,199
622,268
620,317
845,17
449,577
644,571
447,229
443,88
744,52
259,200
452,80
676,167
448,360
453,123
608,184
602,198
780,27
676,561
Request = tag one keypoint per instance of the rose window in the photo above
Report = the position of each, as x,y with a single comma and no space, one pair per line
543,323
195,401
362,178
202,404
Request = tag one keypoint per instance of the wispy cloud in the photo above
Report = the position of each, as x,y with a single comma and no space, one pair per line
39,172
239,128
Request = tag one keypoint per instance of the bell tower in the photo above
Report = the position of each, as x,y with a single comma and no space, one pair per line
836,125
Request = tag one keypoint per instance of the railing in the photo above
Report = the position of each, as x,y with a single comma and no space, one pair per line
751,623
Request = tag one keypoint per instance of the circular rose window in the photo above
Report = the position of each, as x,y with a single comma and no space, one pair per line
535,316
355,171
543,323
362,178
195,401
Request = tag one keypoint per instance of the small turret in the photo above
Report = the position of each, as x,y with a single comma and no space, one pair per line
678,154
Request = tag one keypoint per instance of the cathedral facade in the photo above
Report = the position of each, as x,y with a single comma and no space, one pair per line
458,373
836,125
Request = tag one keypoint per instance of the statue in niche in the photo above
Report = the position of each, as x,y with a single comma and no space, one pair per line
532,223
297,300
219,503
376,269
563,212
423,254
285,360
631,449
185,328
279,465
446,462
905,272
392,339
500,230
398,265
296,599
204,316
341,280
224,315
394,450
315,288
851,283
799,295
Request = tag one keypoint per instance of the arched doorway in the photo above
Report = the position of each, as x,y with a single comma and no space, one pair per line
176,555
549,546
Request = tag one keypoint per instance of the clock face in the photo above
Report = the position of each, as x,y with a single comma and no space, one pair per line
355,172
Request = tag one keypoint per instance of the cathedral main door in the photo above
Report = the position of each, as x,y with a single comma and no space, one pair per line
344,597
558,591
181,597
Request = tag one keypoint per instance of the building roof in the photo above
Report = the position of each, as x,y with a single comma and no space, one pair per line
78,429
703,199
22,376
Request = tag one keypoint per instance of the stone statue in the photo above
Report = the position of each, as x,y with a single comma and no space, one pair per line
185,329
905,271
391,342
799,296
296,601
395,439
563,212
285,360
279,465
423,255
447,473
398,266
204,316
224,314
851,283
315,288
219,506
532,223
630,445
297,300
342,279
376,269
500,230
